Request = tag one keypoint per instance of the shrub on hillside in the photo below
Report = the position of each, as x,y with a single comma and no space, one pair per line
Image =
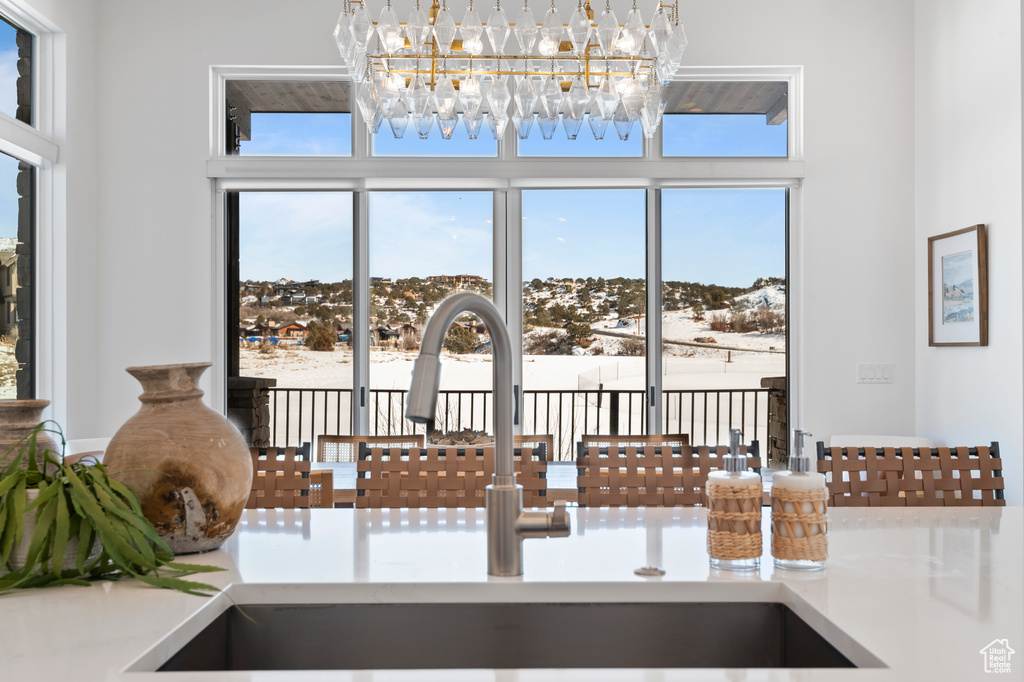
460,341
741,323
632,347
553,342
579,333
320,337
769,321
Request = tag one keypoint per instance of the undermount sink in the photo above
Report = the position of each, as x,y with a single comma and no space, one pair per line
506,635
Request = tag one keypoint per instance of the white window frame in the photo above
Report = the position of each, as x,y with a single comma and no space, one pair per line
37,145
506,175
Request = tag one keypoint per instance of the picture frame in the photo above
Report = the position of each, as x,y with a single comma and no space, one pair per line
958,288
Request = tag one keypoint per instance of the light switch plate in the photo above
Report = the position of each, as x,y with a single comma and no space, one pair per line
875,374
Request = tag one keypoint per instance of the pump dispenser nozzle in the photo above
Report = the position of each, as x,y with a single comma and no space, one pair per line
735,461
798,462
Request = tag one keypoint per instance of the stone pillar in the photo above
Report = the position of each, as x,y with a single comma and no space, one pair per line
778,430
249,408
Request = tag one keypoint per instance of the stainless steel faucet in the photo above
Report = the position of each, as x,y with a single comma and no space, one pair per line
507,523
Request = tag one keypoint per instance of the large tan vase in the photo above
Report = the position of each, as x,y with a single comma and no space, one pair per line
188,464
17,419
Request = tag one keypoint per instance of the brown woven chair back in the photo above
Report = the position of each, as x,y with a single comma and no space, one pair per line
280,478
909,477
321,488
441,477
671,439
535,441
650,476
346,448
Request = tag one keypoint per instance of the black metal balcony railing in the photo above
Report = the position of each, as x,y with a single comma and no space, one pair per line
299,415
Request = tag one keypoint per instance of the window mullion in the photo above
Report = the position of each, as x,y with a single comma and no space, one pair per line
653,399
513,228
360,315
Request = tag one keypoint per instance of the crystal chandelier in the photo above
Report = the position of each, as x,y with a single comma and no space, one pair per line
433,69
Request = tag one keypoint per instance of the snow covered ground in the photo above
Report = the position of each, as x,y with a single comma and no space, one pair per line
393,369
684,367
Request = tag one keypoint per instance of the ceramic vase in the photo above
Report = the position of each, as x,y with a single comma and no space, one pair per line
17,419
189,465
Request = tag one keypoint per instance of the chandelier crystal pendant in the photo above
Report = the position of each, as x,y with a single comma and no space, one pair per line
430,69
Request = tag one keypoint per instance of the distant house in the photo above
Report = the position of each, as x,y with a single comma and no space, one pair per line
476,328
407,329
258,329
386,334
292,330
457,280
410,335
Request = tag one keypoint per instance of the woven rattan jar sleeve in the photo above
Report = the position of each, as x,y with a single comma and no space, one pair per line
799,524
734,520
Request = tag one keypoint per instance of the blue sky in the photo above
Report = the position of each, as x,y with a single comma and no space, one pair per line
8,106
725,237
958,268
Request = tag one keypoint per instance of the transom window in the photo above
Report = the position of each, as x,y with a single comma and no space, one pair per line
316,118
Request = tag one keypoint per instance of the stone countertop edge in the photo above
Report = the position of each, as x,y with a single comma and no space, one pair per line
919,591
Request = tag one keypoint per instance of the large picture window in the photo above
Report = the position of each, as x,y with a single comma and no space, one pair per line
575,257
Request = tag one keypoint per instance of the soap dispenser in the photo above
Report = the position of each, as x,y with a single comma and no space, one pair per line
734,512
799,522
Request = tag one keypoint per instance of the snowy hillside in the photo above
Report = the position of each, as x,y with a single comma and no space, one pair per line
773,297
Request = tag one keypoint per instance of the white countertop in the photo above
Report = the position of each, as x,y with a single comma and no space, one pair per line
921,590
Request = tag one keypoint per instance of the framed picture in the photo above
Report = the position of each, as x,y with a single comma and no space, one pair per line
958,288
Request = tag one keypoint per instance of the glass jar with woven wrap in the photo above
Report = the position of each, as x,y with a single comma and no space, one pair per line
734,512
799,523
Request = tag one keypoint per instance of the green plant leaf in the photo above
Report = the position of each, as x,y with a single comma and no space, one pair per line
44,521
47,491
10,480
85,537
60,532
17,500
120,549
188,586
194,568
7,522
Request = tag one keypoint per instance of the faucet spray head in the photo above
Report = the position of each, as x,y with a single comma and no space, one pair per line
426,380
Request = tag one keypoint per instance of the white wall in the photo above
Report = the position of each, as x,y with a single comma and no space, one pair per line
855,241
154,236
968,171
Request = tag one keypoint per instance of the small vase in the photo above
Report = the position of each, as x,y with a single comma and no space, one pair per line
17,419
189,466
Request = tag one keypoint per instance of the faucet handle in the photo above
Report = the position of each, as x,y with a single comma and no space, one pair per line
559,524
